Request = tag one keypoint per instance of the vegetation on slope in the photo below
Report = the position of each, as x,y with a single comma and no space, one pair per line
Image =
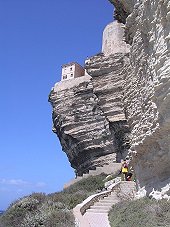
53,210
143,212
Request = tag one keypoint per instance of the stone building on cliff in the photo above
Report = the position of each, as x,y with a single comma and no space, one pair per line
72,70
88,112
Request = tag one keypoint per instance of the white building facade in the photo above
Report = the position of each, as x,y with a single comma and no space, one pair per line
72,70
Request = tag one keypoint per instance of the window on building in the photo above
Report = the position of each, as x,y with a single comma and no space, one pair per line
71,69
71,74
64,77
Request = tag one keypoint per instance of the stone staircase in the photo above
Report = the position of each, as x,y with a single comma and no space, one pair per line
94,212
117,195
104,205
111,168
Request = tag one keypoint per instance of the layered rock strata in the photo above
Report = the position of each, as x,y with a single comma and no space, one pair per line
147,88
88,115
108,79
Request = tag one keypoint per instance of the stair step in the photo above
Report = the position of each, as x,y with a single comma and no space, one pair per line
100,207
108,201
113,201
96,211
110,197
105,202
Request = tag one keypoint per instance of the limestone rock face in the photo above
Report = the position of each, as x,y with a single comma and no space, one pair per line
122,9
88,115
147,88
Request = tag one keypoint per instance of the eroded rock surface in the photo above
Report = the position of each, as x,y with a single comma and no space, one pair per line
88,114
147,89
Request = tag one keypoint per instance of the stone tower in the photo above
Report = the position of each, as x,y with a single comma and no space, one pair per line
113,39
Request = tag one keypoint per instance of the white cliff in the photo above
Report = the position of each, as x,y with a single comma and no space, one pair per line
147,89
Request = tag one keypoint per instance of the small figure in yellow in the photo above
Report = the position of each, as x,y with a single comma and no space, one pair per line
124,169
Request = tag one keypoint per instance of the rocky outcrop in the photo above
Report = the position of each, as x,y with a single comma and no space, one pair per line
147,88
88,115
108,79
122,9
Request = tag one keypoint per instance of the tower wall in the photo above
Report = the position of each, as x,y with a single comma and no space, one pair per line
113,39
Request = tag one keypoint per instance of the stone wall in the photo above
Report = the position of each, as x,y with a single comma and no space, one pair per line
147,88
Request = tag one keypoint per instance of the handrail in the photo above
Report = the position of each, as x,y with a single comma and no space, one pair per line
94,198
81,208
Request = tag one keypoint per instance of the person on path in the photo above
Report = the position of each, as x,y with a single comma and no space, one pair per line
124,169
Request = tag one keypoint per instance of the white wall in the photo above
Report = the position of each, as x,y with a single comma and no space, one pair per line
71,71
68,72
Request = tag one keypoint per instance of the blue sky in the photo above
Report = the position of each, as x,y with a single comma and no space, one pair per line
36,38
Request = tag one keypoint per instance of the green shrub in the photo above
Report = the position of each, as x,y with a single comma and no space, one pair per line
49,215
62,218
90,184
139,213
79,191
17,211
53,210
69,200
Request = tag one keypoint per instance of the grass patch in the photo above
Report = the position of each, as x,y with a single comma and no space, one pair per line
55,210
79,191
139,213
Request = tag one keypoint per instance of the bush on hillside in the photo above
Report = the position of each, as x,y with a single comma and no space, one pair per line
79,191
17,210
139,213
90,184
53,210
37,210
